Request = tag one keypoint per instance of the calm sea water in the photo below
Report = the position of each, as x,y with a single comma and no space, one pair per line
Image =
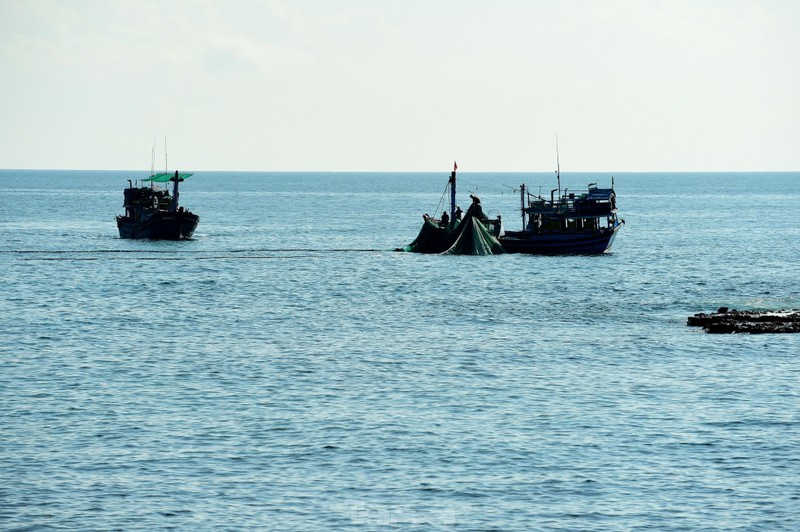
286,370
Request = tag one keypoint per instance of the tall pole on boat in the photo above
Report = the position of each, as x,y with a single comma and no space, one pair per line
522,205
173,205
453,193
558,168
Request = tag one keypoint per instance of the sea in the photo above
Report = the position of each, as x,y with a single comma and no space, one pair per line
288,369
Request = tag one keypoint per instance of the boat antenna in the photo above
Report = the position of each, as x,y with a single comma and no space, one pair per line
153,159
558,168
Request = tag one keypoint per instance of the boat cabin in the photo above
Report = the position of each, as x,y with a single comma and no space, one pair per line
589,210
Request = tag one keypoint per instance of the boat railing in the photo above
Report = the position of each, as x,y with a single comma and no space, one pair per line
570,210
560,225
586,204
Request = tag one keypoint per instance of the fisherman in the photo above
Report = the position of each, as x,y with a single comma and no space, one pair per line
536,222
476,209
445,219
459,212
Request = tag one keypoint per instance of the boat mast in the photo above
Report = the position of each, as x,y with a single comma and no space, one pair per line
522,205
173,205
453,193
558,169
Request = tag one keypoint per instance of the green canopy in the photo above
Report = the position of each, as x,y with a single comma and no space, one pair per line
165,178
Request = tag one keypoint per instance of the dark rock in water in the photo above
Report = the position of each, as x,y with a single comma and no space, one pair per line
748,321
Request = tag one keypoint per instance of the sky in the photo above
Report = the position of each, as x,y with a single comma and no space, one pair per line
401,85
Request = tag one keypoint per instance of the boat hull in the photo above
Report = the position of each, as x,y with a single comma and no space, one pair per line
161,225
556,243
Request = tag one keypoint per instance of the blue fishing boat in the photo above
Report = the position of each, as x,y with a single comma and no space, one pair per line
577,222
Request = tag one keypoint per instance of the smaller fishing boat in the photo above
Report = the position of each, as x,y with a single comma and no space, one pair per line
153,212
580,222
458,233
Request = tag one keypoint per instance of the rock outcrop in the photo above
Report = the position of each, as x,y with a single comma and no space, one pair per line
747,321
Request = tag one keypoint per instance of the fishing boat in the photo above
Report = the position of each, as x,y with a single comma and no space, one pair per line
153,212
458,233
580,222
572,222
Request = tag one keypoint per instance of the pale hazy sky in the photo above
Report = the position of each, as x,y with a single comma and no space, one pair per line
401,85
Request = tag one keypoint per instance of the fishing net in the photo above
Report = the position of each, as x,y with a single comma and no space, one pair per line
431,239
468,237
474,239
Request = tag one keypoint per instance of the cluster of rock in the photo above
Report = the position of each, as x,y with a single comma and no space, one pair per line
748,321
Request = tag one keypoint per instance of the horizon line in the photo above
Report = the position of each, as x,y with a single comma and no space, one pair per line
411,171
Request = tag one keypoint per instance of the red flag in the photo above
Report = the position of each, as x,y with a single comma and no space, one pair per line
455,166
